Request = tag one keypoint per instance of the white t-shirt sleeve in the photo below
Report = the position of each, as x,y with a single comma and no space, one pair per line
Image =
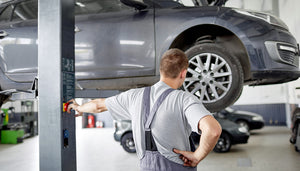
194,111
118,105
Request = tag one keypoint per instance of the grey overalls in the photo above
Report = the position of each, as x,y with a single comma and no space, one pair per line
153,160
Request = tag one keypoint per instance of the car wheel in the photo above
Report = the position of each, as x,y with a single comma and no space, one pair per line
243,124
224,143
292,140
214,76
127,143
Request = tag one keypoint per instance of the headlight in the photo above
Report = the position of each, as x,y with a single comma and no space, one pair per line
271,19
257,118
243,129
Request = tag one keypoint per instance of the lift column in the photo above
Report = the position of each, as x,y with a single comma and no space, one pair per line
56,78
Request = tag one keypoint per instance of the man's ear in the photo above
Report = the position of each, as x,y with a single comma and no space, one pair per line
183,73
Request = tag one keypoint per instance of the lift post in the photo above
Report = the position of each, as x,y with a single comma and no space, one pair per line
56,72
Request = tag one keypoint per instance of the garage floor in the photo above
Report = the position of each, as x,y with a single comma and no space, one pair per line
268,150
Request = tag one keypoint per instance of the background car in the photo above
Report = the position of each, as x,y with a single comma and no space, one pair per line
118,45
249,120
295,137
123,134
232,134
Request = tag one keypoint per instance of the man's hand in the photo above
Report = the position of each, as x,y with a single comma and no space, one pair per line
73,106
211,131
189,158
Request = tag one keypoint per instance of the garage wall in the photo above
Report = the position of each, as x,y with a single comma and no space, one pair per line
263,99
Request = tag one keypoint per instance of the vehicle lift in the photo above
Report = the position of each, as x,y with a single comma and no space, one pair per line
55,85
56,79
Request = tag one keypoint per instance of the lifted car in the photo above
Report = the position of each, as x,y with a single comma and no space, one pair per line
118,45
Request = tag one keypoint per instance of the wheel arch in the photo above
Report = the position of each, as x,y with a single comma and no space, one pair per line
224,131
214,34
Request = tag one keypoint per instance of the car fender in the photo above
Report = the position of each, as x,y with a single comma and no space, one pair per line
172,34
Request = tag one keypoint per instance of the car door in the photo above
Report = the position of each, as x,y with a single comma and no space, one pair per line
113,40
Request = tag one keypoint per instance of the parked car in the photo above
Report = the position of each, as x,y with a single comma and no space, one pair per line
249,120
123,134
232,134
118,45
295,127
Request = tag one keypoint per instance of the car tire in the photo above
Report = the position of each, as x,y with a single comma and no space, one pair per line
224,143
292,140
214,75
127,143
243,124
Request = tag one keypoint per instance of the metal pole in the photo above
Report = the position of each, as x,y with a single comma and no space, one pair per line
56,67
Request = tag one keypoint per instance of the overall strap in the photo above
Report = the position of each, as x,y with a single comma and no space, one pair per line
155,107
150,143
146,103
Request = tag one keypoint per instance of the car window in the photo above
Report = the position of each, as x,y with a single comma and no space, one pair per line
6,13
98,6
26,10
178,3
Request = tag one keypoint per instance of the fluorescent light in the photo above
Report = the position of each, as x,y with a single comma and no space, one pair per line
131,42
80,4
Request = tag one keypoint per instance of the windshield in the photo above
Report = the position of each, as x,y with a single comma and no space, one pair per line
190,3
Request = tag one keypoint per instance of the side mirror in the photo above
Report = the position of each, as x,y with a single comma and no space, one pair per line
139,5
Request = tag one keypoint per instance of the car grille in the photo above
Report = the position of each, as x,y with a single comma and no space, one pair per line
289,57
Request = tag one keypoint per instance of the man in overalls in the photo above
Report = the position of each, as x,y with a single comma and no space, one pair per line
163,118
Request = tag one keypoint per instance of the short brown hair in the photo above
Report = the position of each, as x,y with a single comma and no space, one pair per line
173,62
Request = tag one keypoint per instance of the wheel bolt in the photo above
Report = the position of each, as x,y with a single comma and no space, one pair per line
203,83
211,82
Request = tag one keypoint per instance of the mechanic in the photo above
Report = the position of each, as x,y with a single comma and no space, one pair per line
162,138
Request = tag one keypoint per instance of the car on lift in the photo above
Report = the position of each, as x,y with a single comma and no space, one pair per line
295,128
249,120
119,43
232,133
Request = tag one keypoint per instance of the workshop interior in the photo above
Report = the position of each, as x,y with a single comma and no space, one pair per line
243,66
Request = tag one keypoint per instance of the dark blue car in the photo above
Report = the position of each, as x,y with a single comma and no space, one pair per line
118,45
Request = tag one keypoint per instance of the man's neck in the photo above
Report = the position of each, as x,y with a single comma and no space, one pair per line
173,83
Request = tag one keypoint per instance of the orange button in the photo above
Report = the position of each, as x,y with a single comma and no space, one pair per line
65,107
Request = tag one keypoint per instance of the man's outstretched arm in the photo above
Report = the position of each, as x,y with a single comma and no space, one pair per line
93,106
211,131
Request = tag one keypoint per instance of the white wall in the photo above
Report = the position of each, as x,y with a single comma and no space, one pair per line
282,93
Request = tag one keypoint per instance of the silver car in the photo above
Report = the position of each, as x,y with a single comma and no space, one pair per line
118,45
